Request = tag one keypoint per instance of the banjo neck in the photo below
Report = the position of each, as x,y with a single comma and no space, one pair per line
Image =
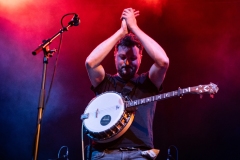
200,89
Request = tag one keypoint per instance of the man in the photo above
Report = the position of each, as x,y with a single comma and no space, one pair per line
128,55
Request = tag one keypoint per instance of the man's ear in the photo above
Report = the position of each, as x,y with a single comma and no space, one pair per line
115,52
140,59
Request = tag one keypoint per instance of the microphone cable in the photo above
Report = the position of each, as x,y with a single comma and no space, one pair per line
56,61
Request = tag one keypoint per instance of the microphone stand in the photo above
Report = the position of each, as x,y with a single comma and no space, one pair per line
47,53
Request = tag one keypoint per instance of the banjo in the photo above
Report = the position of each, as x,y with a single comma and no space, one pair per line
106,117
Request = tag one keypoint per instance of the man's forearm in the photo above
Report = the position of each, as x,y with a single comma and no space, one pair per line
102,50
154,50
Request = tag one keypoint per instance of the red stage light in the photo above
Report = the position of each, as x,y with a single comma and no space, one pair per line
11,4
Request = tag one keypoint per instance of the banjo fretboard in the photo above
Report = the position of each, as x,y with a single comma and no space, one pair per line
211,89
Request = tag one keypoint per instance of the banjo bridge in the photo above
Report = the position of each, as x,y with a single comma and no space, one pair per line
97,113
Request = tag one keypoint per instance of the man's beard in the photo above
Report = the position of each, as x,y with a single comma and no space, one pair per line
127,72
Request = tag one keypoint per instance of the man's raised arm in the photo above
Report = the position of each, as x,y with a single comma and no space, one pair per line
155,51
95,70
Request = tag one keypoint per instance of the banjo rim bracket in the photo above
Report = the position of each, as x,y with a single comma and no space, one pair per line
84,116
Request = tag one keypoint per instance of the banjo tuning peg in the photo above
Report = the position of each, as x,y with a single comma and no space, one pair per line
211,95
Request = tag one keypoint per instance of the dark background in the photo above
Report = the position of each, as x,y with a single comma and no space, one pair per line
201,38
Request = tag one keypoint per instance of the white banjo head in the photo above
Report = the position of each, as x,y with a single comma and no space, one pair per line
104,111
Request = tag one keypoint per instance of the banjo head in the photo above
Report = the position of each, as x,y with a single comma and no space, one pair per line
104,111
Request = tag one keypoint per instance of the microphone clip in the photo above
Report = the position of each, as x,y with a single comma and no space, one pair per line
75,20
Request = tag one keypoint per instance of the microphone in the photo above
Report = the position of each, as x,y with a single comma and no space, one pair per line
75,20
169,155
66,154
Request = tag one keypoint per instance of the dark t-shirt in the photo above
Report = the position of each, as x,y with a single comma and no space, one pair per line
140,132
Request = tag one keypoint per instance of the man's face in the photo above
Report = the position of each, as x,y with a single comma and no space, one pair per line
127,61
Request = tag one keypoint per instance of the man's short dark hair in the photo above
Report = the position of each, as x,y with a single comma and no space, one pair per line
129,40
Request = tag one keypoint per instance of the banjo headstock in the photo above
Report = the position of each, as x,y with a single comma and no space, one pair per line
209,89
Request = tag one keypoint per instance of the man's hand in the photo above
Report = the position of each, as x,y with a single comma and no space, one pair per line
124,27
129,15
